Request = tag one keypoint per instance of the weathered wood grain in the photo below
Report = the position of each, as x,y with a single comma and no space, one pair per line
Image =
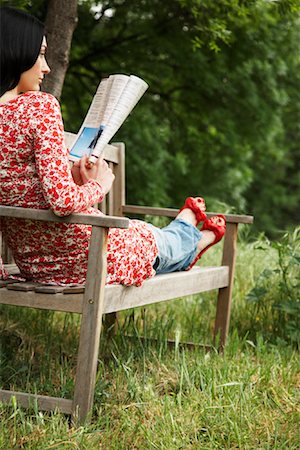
225,293
45,403
91,321
170,212
49,216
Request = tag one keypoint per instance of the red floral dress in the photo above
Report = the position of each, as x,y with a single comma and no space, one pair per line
35,173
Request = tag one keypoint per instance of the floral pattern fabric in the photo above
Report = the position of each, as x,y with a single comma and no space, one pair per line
35,173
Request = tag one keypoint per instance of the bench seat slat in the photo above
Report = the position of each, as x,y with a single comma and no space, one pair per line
55,302
165,287
22,286
117,297
5,283
50,289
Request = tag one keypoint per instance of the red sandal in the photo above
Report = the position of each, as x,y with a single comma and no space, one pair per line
195,204
216,224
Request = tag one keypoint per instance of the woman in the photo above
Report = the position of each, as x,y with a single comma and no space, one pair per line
35,173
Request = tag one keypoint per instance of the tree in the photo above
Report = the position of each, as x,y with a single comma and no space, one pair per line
216,116
221,117
61,21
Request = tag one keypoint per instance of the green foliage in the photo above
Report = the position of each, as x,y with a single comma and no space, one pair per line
221,117
22,4
38,7
276,290
216,22
229,107
143,166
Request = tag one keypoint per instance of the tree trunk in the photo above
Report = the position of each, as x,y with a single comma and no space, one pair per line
61,21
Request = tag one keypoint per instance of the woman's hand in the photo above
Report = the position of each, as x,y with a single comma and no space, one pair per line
99,172
75,170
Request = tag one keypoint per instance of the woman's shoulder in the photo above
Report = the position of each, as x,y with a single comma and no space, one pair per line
39,104
37,98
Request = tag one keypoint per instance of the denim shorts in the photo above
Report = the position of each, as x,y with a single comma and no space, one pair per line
176,244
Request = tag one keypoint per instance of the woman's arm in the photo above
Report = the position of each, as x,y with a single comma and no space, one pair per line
61,192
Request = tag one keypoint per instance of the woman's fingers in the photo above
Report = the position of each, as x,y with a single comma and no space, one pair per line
100,171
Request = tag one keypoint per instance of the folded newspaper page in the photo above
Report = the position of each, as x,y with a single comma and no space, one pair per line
115,98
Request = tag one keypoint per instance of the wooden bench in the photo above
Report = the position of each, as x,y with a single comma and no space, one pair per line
96,299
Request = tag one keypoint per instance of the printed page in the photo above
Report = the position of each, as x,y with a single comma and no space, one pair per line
96,110
115,98
132,93
104,101
89,130
117,86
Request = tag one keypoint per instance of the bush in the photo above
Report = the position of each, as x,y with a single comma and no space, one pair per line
275,295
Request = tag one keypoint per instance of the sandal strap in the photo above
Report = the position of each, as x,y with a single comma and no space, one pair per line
195,203
218,230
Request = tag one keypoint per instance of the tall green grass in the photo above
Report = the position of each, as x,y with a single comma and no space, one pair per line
147,398
152,396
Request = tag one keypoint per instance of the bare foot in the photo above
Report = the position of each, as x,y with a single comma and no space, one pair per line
207,238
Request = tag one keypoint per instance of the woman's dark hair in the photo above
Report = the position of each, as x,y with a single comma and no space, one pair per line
21,37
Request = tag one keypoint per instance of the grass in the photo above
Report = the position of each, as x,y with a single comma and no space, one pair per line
151,396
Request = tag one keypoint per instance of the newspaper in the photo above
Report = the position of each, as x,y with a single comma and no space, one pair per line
115,98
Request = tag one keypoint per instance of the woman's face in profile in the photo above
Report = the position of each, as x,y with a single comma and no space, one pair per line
32,79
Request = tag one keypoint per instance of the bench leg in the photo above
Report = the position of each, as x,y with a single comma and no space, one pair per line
225,294
90,327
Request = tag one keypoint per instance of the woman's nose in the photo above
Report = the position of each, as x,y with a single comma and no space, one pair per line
46,69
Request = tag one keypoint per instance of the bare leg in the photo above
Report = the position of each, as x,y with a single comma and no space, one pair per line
188,216
207,236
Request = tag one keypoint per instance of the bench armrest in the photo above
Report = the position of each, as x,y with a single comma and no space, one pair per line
46,215
170,212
